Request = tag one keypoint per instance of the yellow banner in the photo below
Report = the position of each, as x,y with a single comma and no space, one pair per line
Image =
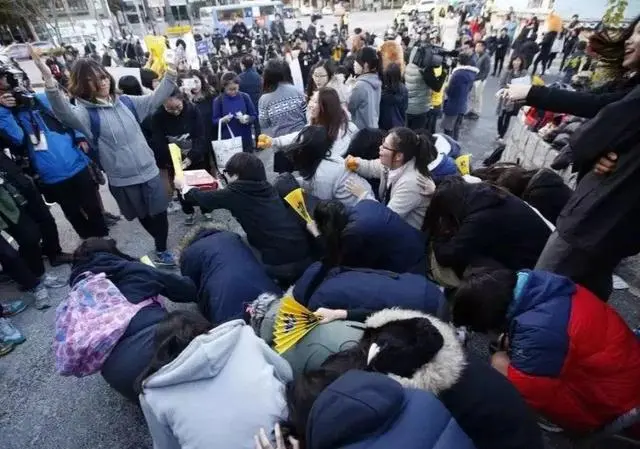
176,159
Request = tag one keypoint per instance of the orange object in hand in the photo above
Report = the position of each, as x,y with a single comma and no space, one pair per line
351,163
264,141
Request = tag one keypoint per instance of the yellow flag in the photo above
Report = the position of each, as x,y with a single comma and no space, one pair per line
464,164
296,200
156,46
176,158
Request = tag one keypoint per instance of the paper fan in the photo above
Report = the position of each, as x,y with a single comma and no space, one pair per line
293,322
464,164
176,159
296,200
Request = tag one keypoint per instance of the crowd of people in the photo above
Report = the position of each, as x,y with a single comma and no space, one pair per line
397,254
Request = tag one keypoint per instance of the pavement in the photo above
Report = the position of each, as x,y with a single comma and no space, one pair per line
41,410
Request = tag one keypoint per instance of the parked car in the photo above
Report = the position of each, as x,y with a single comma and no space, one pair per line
425,6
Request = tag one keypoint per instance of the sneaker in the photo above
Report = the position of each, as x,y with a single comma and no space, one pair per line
42,296
173,207
60,259
110,220
52,281
5,348
9,333
14,307
207,217
164,259
190,220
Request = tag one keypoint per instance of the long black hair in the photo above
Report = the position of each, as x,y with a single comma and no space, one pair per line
173,335
414,146
326,64
92,245
311,146
392,78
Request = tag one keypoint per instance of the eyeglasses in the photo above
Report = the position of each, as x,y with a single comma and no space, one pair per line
318,75
387,148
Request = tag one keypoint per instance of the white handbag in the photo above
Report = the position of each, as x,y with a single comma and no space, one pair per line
224,149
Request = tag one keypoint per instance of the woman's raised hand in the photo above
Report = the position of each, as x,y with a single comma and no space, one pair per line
44,69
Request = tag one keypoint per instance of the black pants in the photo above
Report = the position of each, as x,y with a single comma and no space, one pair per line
40,214
455,131
189,208
503,122
552,57
433,116
416,121
543,58
77,199
158,227
498,64
24,266
564,60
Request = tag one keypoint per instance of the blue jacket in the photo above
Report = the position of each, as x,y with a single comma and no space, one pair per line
223,105
393,108
371,411
345,288
443,166
62,158
251,84
376,237
447,145
460,84
226,272
137,282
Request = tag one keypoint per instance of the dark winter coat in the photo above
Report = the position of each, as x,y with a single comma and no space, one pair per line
137,282
369,410
547,192
528,50
376,237
226,273
251,84
269,225
502,46
460,84
393,107
346,288
186,130
495,226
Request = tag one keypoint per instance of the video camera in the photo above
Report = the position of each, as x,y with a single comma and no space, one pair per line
428,56
16,81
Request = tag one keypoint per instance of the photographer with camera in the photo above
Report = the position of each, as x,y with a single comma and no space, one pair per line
55,154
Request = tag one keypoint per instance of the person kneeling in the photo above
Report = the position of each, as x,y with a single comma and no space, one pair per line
570,355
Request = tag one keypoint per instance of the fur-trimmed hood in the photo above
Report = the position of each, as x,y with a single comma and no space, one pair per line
466,67
263,313
445,368
196,233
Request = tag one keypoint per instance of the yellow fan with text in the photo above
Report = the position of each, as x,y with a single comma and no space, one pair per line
293,322
176,159
296,200
464,164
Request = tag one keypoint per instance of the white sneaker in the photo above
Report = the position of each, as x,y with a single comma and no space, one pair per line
42,296
9,333
52,281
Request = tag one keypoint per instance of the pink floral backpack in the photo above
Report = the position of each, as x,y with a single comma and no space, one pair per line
89,323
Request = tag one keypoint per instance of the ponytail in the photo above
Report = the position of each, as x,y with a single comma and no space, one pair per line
420,147
331,218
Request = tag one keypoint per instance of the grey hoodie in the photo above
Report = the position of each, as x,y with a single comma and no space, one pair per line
218,393
124,153
364,104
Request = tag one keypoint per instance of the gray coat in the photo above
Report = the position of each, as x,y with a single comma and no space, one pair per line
364,104
419,92
124,153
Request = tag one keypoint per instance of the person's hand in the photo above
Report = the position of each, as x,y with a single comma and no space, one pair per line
186,163
244,119
500,361
356,189
44,68
312,227
8,100
352,163
425,184
84,146
262,441
179,183
606,164
226,118
329,315
515,92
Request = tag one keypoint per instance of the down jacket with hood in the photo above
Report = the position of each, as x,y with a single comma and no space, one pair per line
364,103
483,402
494,227
457,92
225,271
123,151
351,288
368,410
376,237
269,225
573,358
419,100
187,403
137,282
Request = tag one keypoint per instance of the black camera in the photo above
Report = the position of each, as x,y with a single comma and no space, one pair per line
16,80
429,56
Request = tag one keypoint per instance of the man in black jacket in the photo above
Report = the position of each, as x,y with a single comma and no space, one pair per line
545,51
311,31
502,48
278,32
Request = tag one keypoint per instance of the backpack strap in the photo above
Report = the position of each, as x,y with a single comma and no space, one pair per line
94,119
126,100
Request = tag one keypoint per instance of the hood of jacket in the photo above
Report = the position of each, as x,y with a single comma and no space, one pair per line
372,80
444,369
206,356
369,410
544,179
467,70
534,288
481,196
196,233
253,188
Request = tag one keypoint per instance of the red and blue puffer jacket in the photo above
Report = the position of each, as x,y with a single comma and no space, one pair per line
573,358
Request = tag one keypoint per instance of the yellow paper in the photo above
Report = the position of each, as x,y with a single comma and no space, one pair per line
147,261
156,46
176,158
464,164
296,200
293,322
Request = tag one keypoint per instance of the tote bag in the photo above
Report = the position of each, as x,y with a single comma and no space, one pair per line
224,149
